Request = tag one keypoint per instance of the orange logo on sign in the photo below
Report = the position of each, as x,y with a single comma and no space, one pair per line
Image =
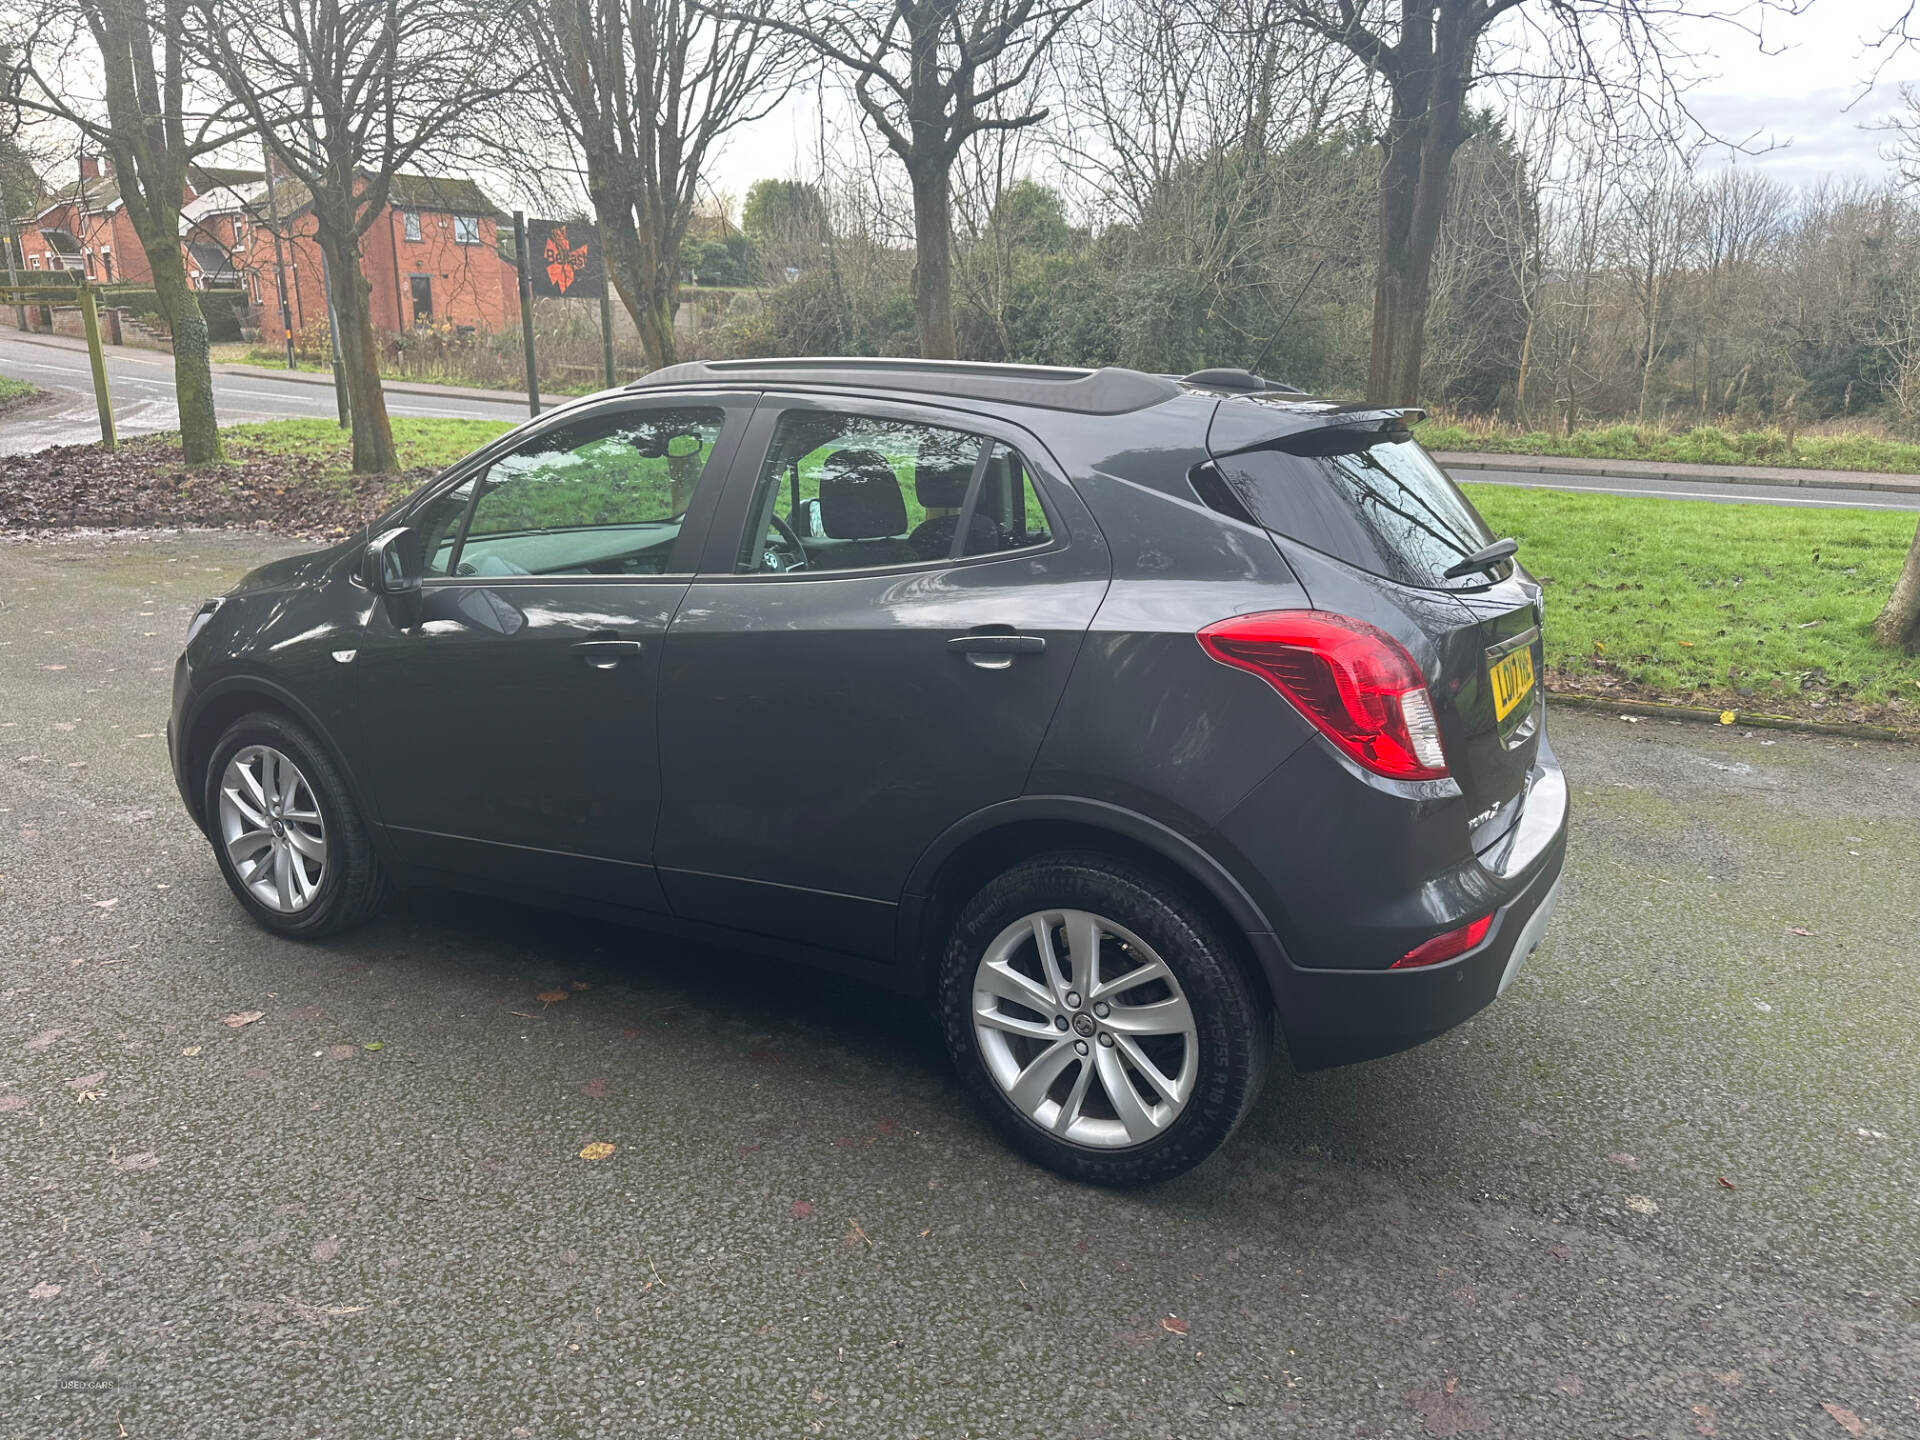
563,264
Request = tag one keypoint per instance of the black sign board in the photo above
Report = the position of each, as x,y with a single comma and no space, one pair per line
564,259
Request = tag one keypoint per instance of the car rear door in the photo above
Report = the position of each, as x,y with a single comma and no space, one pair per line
509,733
822,722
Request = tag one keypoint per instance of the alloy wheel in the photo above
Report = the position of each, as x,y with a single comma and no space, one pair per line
271,826
1084,1029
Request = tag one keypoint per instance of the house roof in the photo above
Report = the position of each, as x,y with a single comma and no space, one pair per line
408,192
102,193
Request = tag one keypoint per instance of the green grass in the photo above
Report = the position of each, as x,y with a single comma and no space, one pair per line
13,391
419,441
1702,445
1696,600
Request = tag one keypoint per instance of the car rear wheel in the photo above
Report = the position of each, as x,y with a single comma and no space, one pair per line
285,833
1099,1021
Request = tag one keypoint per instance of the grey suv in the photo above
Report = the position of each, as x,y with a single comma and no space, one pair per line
1123,718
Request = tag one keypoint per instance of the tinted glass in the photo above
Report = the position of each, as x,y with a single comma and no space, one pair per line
1376,501
845,492
604,496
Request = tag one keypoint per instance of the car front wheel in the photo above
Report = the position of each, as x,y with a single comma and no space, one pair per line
1099,1021
285,832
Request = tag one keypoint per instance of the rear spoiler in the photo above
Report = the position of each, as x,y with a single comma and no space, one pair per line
1248,424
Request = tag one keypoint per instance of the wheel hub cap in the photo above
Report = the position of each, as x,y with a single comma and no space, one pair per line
1029,990
271,827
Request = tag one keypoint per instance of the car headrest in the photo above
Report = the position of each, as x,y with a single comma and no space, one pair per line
860,497
942,484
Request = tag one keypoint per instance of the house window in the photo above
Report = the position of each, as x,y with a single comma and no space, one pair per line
411,220
106,263
239,233
34,261
422,288
90,264
466,229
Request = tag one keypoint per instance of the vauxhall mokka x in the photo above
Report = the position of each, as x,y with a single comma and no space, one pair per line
1125,719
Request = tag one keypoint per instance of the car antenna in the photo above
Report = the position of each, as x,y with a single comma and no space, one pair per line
1280,329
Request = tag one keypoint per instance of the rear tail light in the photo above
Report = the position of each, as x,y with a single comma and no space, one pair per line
1445,947
1354,682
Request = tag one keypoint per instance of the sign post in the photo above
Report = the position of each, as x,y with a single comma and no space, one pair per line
90,316
523,262
77,293
563,261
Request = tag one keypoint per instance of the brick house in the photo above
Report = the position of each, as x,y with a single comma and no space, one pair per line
429,257
84,227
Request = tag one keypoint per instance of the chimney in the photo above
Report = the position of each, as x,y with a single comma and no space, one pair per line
89,167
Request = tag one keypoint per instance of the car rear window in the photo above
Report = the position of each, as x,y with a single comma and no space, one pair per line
1374,499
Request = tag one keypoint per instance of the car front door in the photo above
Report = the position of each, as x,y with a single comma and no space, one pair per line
891,600
507,731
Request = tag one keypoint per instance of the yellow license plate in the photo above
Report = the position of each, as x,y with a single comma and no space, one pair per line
1512,677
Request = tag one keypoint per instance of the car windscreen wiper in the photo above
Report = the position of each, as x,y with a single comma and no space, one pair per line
1483,559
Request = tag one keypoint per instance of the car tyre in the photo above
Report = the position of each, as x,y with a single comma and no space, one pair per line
315,827
1134,918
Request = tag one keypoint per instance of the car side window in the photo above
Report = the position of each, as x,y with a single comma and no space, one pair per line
845,492
605,495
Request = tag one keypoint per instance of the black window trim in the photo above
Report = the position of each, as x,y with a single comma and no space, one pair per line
720,561
737,409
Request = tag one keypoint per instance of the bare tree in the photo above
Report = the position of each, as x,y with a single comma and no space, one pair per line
131,91
928,74
1427,55
347,95
649,89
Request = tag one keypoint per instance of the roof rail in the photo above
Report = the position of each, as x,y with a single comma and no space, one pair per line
1108,391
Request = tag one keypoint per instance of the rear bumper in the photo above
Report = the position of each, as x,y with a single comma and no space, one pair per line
1338,1016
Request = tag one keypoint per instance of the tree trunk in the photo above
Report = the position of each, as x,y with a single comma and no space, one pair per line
654,318
192,362
1899,622
933,260
373,452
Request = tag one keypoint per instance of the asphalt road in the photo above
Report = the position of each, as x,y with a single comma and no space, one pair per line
1668,1186
141,383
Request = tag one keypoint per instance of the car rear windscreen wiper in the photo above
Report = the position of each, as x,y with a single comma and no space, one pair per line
1483,559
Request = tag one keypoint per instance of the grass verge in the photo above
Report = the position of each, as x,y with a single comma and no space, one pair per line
1739,606
1702,445
420,442
14,392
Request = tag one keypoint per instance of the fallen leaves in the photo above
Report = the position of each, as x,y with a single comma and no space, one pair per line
191,1050
46,1290
598,1150
243,1017
12,1102
1727,717
1642,1205
802,1209
1798,930
106,904
551,997
45,1039
1845,1418
1626,1160
374,1045
87,1082
144,1160
1173,1325
1725,1183
326,1249
595,1089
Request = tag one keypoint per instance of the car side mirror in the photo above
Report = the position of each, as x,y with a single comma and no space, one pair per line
388,569
393,575
806,520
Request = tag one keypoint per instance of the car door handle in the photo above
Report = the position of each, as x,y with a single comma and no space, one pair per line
995,651
605,654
